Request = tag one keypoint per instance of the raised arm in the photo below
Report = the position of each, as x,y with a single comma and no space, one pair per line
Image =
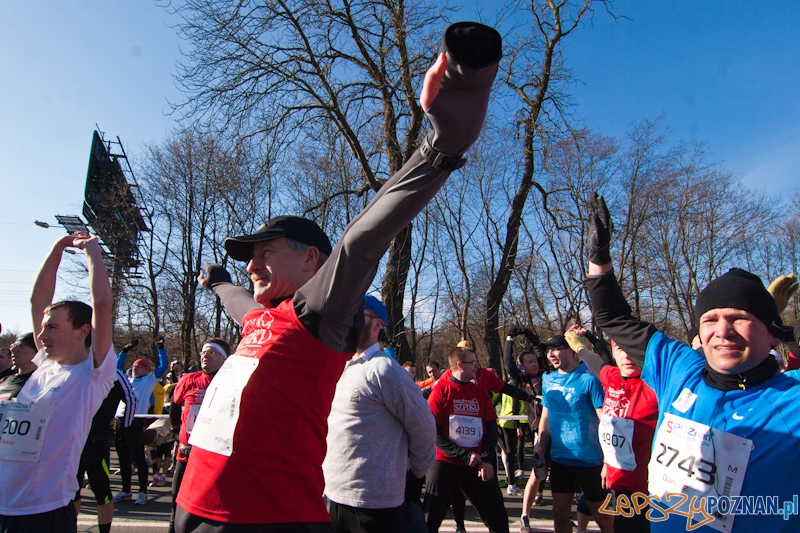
514,375
579,343
461,79
100,290
236,300
44,287
163,362
611,311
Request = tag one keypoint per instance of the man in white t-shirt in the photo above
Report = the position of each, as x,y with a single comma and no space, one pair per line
50,418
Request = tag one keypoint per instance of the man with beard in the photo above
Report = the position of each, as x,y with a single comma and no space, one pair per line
380,426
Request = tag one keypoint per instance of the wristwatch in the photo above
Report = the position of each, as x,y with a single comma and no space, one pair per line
439,160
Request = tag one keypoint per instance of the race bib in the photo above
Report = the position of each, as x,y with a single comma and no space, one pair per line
466,431
23,425
215,423
616,439
194,409
696,460
192,417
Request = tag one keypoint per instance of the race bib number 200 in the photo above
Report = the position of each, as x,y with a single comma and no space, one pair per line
216,421
22,429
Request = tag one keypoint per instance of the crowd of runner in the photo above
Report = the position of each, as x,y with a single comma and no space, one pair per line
310,425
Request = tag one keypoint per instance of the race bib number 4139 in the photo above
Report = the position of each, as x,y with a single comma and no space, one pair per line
22,429
466,431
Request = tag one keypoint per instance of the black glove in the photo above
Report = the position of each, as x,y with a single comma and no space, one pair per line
474,51
215,274
130,346
599,231
533,338
160,343
516,330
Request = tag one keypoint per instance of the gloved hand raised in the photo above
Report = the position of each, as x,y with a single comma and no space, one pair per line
457,87
599,231
782,290
130,346
515,330
213,274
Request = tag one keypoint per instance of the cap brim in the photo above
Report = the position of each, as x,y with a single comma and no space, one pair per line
241,248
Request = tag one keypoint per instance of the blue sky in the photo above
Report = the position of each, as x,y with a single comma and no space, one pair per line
726,73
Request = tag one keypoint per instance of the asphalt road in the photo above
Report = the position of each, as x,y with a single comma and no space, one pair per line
154,517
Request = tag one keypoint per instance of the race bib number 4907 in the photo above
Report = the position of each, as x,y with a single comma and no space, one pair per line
216,421
22,429
616,439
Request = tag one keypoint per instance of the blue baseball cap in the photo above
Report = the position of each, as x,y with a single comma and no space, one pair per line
375,305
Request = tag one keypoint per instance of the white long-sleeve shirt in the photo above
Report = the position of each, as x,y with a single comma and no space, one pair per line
379,423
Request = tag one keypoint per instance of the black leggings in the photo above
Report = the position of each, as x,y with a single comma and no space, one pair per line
509,443
130,448
177,479
443,480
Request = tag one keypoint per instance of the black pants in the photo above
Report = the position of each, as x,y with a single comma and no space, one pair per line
63,520
346,519
186,522
638,523
177,479
444,479
509,441
95,459
130,448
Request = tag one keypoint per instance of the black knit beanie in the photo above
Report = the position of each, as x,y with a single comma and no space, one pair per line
739,289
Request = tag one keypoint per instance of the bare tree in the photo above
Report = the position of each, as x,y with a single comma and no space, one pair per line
298,68
532,72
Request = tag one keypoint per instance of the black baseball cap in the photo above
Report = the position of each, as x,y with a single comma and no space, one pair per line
556,341
297,228
26,340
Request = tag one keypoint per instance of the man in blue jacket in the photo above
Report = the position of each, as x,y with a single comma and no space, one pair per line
727,422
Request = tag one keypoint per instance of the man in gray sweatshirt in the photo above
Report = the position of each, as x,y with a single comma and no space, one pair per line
379,427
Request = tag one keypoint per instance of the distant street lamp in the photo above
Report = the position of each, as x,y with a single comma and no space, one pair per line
45,225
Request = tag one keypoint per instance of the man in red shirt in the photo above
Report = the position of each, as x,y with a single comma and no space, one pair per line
187,397
259,440
466,434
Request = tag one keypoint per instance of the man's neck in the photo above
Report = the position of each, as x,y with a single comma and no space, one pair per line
459,375
363,347
562,370
74,358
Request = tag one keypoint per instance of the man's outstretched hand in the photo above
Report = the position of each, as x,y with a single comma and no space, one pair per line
599,231
213,274
433,82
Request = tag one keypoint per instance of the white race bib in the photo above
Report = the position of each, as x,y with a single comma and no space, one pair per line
216,421
466,431
696,460
616,439
192,417
23,425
